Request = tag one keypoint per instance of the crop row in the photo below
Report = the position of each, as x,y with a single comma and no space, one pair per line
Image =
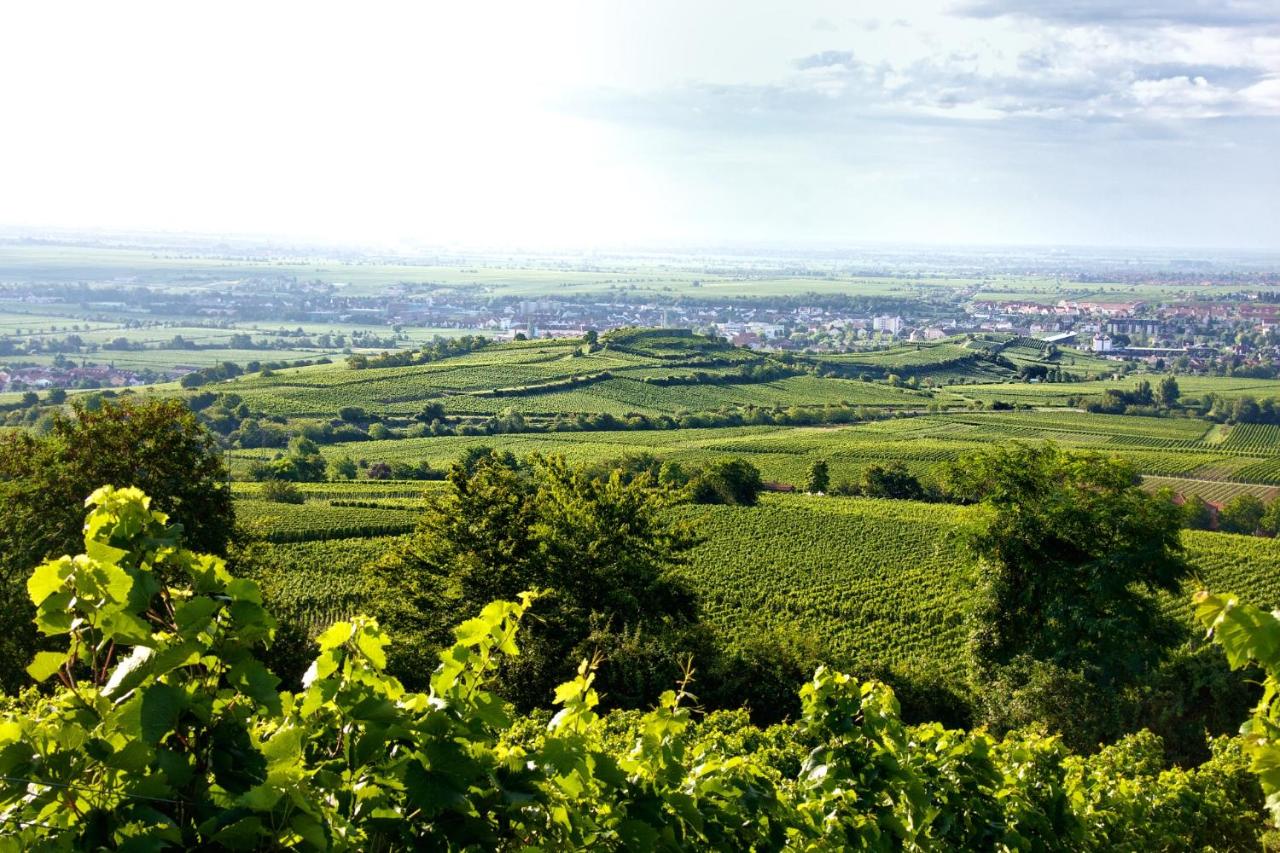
1260,439
279,522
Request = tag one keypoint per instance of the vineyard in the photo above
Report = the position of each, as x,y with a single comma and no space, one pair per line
877,581
1168,447
1214,491
314,520
883,584
1253,439
316,583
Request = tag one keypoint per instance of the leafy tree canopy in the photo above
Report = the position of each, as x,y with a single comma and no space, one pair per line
598,546
157,446
1069,545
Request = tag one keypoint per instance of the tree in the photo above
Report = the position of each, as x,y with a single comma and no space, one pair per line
1241,514
890,481
1068,547
343,469
601,550
302,464
282,491
158,446
727,481
1271,520
1168,392
1197,514
819,477
1245,410
160,729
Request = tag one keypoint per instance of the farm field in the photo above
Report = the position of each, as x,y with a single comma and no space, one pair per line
174,268
1058,394
544,379
882,583
324,519
1185,448
1213,491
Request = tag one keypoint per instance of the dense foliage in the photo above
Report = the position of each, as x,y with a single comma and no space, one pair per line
165,732
598,547
1250,635
157,446
1070,549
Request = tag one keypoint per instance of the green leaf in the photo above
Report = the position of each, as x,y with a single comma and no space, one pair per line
371,641
244,590
473,632
46,664
335,635
244,834
322,667
128,673
103,553
48,579
193,616
125,628
254,680
311,830
161,706
261,798
237,766
284,746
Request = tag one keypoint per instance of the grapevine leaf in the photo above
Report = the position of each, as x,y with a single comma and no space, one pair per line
46,664
161,705
48,579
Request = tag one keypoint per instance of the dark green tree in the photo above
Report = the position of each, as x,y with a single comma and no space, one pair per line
1069,547
157,446
601,549
890,481
302,464
1242,514
1271,520
1168,392
819,476
727,481
1197,514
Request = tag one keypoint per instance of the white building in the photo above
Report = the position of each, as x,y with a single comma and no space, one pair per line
892,325
1102,343
765,330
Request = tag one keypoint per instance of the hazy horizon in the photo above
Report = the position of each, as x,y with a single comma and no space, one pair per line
817,126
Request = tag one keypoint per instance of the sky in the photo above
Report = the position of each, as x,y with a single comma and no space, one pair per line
658,123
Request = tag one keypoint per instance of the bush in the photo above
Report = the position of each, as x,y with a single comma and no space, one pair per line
282,491
1242,514
729,481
